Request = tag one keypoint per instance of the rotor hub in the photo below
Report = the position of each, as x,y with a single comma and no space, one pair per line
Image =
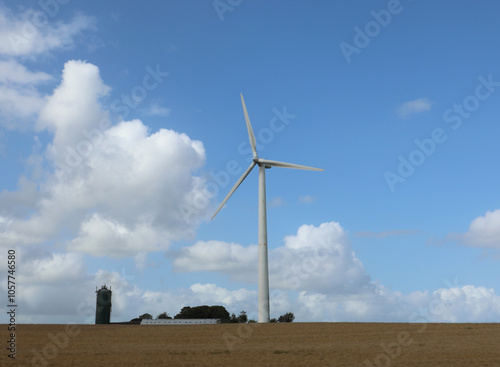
259,163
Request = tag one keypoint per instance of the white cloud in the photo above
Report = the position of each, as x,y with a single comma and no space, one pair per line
19,98
57,288
315,259
18,103
332,283
465,304
459,304
483,231
100,237
413,107
53,284
212,294
33,32
74,108
13,72
27,34
116,190
51,269
228,258
318,259
154,109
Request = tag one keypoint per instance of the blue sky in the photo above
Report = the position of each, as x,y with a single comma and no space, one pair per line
121,130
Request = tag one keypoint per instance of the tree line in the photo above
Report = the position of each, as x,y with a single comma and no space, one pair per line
213,312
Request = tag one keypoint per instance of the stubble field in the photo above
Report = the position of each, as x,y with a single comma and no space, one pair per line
294,344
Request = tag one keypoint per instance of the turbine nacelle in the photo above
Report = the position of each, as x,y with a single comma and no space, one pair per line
259,162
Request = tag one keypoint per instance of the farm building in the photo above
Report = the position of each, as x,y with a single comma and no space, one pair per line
180,321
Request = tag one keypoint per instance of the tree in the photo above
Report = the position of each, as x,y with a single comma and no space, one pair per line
163,316
273,320
288,317
241,318
146,316
204,312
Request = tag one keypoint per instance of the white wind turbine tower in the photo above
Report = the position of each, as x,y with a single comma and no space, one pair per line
263,306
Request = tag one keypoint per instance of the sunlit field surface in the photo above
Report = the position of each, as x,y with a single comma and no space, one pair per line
281,344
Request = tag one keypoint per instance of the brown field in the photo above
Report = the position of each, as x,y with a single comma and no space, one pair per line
295,344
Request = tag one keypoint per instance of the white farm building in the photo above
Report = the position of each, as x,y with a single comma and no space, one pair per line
180,321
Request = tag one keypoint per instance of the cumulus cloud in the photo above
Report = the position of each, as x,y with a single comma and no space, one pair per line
483,231
465,304
315,259
414,107
74,108
316,274
318,259
57,287
115,189
458,304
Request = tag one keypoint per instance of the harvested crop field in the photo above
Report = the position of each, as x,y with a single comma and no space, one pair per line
293,344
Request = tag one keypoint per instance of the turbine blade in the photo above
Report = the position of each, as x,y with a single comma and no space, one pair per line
251,136
286,165
238,183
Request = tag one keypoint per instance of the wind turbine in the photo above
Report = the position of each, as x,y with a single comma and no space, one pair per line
263,282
